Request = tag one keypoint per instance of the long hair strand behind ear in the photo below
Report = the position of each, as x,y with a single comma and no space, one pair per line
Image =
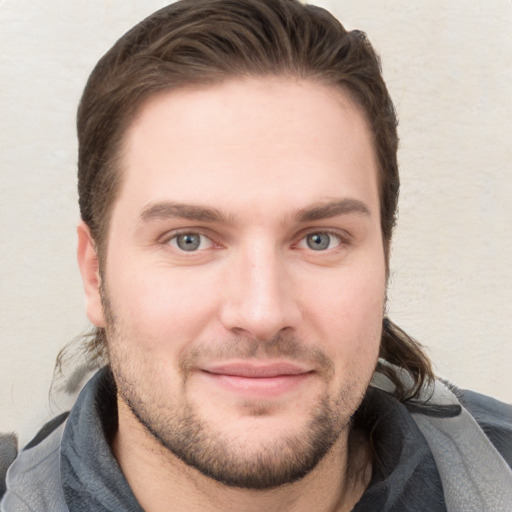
401,350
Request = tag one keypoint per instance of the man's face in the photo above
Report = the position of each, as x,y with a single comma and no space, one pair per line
244,280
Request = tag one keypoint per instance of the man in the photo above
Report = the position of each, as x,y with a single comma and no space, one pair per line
238,186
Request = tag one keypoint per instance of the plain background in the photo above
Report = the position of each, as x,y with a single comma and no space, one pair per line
448,65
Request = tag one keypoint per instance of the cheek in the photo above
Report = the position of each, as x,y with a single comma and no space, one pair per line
160,306
349,311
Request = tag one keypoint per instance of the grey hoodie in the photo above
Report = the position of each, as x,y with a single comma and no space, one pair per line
450,451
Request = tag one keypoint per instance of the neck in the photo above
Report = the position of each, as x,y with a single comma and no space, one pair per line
158,478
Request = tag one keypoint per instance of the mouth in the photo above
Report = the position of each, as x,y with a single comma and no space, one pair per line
257,379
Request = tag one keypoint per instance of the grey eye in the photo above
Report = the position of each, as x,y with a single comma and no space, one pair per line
188,241
318,241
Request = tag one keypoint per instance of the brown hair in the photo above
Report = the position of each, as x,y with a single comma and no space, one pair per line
194,42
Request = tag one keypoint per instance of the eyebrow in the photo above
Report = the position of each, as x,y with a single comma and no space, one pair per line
332,209
169,210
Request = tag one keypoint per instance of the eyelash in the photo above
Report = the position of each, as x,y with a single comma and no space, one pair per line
343,239
167,239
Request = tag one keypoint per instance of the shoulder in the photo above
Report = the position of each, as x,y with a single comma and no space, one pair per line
493,416
33,479
8,452
466,412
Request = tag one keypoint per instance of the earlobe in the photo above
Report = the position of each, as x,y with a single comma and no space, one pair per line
89,268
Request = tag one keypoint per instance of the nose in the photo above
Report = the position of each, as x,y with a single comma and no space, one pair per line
258,295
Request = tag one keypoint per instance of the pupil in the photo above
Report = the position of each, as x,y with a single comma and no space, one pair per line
188,242
318,241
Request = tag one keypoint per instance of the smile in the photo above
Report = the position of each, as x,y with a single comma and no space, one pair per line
258,380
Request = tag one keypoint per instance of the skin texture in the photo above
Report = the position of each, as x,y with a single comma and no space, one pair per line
244,358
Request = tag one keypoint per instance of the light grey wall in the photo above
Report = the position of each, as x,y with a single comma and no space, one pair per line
449,68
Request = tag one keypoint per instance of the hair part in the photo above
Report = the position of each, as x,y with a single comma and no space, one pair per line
203,42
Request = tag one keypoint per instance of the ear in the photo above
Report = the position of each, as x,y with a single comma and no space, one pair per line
89,268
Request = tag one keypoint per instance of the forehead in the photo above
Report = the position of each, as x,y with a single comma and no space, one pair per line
247,142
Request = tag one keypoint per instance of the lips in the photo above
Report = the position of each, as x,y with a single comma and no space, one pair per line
257,371
258,380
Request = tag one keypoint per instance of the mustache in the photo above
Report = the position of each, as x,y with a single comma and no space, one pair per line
240,347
